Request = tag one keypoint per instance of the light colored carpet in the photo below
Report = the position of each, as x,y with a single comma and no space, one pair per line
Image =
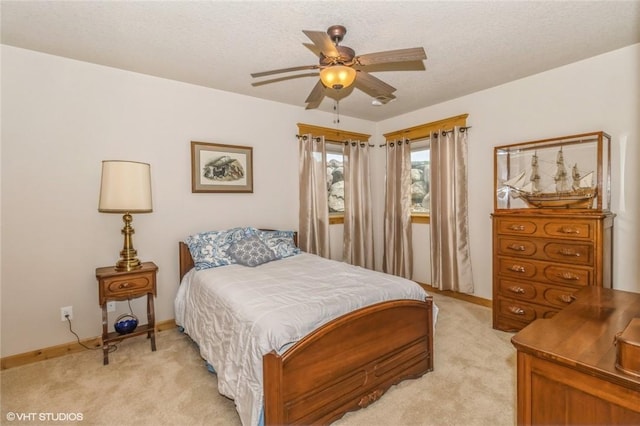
473,383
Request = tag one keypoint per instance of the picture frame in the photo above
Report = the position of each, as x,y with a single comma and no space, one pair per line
219,167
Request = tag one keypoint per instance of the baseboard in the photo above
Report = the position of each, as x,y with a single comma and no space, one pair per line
461,296
65,349
96,342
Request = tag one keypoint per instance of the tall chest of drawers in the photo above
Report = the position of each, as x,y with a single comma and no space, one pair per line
541,258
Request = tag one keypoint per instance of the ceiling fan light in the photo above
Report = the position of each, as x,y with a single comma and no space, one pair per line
338,76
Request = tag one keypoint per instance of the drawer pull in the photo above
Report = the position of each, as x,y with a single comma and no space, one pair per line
568,230
566,298
516,289
569,252
516,227
515,247
516,310
517,268
569,276
123,286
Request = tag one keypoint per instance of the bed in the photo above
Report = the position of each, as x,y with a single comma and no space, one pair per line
343,362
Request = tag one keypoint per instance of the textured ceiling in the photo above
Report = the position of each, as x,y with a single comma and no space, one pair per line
470,46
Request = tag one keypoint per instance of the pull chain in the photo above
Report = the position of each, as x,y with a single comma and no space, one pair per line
336,108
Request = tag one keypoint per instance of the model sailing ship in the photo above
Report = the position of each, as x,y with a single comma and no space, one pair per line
577,195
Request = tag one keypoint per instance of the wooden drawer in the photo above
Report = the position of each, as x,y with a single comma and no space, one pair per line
518,290
524,269
522,311
518,268
516,226
114,284
566,275
575,229
579,253
510,246
575,253
544,294
118,287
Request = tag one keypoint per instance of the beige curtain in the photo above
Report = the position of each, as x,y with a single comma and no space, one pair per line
313,235
397,258
358,222
450,254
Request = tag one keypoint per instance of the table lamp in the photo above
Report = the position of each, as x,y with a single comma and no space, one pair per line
125,187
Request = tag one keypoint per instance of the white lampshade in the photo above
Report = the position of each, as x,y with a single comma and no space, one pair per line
125,187
337,76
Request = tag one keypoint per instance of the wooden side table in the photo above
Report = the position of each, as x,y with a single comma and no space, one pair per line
566,364
125,285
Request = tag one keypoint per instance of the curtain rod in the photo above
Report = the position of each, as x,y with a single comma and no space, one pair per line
317,138
444,132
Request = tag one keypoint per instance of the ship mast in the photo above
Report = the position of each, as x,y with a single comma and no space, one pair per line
562,184
535,177
576,176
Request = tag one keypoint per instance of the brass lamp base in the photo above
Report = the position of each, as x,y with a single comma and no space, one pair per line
128,264
128,260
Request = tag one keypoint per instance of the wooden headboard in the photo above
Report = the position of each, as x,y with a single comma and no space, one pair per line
186,261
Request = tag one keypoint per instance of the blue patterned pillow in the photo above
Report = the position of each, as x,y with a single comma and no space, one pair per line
281,242
251,251
211,249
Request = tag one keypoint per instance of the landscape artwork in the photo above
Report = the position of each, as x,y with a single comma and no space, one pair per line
221,168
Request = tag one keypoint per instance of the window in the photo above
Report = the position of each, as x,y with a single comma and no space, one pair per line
335,162
335,181
420,169
420,164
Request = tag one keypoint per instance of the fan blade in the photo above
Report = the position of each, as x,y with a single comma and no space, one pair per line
316,96
284,78
400,55
313,105
322,40
300,68
312,47
374,84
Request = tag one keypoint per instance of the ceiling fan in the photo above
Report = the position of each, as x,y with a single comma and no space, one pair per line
340,66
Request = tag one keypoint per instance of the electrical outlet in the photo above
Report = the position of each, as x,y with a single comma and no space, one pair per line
67,310
111,306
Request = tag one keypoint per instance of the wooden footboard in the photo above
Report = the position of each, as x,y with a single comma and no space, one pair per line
348,363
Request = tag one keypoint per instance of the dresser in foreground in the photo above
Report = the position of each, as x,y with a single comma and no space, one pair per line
566,365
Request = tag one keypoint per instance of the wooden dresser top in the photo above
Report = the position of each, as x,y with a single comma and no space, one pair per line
582,334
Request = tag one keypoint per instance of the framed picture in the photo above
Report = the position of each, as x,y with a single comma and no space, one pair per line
221,168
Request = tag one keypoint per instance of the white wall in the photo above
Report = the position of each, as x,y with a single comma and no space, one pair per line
601,93
60,119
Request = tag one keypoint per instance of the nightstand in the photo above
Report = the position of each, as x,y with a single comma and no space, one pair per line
125,285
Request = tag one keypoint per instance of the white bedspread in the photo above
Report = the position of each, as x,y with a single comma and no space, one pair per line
237,314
